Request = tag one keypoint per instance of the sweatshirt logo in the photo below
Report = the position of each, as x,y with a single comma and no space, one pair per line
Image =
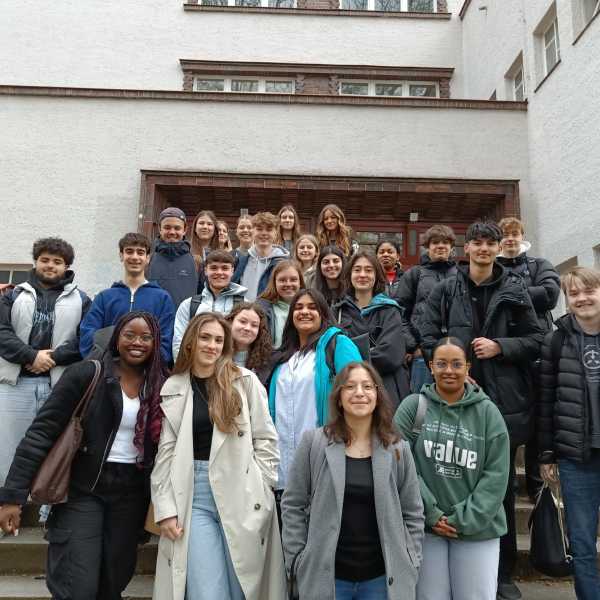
444,453
591,357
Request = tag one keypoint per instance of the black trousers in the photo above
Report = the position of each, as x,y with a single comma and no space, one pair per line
508,542
93,537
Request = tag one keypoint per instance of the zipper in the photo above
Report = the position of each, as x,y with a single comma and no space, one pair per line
131,302
110,437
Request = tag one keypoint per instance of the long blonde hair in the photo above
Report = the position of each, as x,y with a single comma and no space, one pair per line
227,246
313,240
224,401
296,232
343,239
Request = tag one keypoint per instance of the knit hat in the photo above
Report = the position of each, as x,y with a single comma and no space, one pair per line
172,211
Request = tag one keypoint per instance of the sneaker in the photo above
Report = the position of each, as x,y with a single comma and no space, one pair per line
508,590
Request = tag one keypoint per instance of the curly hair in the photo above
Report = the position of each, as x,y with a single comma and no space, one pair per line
260,349
344,232
135,240
156,373
296,232
53,245
381,424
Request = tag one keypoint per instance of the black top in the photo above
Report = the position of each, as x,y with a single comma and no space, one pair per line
201,423
359,556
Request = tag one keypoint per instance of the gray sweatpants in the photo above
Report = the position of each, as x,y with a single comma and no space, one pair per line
457,569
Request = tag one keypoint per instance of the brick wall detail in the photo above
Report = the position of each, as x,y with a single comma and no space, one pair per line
317,84
442,6
444,88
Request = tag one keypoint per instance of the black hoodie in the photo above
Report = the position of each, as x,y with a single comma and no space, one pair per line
13,350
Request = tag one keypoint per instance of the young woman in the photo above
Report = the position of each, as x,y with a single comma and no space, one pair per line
366,523
388,254
305,254
205,234
252,344
245,235
285,281
94,536
215,470
331,266
299,378
462,456
224,239
366,310
333,231
288,232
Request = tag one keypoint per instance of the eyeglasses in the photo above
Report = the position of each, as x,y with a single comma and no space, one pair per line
442,365
145,338
368,387
291,280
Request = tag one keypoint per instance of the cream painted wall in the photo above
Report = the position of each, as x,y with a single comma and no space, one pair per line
138,43
71,167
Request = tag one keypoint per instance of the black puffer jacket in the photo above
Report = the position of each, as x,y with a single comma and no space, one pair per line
542,281
511,322
100,425
563,422
391,288
383,321
412,293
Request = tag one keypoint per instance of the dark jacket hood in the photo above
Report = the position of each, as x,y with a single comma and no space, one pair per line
427,261
33,281
499,274
171,249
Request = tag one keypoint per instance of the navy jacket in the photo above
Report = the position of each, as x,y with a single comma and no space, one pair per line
173,267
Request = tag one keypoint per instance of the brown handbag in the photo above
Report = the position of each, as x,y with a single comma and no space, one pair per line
51,482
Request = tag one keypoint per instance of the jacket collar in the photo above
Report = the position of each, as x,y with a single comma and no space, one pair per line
427,261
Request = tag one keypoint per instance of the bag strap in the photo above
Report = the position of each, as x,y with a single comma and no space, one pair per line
561,520
420,416
84,402
194,304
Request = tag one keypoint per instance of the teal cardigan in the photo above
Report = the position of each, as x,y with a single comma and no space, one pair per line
345,352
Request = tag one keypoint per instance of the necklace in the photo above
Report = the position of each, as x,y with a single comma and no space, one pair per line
362,452
195,385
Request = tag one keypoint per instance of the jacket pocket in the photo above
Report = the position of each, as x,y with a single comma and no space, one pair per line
410,548
58,561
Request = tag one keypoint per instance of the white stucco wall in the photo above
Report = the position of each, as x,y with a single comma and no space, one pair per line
138,43
71,167
562,215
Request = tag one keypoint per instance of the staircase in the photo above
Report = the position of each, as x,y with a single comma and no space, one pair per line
23,560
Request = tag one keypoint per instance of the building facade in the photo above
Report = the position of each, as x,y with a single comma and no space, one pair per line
403,112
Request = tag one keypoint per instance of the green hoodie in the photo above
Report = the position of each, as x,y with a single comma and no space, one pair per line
462,460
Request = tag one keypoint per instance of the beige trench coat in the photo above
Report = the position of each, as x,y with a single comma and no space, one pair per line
242,472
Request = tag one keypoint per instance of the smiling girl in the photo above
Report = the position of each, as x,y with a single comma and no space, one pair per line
305,253
288,232
331,266
388,254
333,231
252,344
224,239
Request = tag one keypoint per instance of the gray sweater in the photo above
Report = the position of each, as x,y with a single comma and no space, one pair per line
316,542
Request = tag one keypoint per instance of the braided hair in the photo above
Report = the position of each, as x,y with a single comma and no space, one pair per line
156,373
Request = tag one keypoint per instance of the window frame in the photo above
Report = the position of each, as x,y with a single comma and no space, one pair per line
556,38
228,79
596,10
263,4
372,87
521,85
403,7
12,269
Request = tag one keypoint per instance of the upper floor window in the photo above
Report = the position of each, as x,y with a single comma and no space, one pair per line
269,85
590,9
551,47
519,86
14,274
392,5
267,3
390,88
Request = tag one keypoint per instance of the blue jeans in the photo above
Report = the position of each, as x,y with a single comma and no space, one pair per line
580,485
420,374
210,572
373,589
19,404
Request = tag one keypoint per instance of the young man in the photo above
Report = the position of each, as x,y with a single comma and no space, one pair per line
569,419
489,308
543,286
245,235
414,289
172,265
135,292
219,295
253,271
39,337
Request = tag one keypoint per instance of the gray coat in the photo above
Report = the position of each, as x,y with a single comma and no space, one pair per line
317,544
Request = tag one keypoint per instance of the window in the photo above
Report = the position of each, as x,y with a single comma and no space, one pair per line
519,86
392,5
590,9
270,85
264,3
14,274
394,89
368,240
551,47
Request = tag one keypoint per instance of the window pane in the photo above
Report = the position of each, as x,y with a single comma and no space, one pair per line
19,277
412,241
367,237
241,85
424,91
550,56
420,5
247,2
4,276
519,97
387,5
388,89
354,4
392,237
281,3
215,2
210,85
279,87
549,36
362,89
460,239
518,78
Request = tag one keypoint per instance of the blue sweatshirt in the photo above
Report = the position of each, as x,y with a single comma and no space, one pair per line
111,304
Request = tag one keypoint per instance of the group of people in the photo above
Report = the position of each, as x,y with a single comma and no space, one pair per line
299,408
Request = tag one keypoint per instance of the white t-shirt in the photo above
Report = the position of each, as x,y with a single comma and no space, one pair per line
123,450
